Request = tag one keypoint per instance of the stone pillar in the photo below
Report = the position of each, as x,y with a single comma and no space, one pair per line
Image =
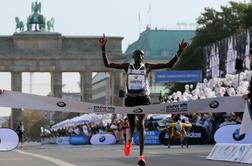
16,85
56,84
115,85
86,86
56,91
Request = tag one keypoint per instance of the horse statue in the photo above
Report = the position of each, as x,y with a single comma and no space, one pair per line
36,18
19,24
50,24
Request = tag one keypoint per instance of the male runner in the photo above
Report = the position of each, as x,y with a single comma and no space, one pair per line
138,92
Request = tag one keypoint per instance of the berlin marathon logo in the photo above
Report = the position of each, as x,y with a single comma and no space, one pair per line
104,109
182,107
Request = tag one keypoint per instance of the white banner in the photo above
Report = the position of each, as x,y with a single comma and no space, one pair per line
231,152
28,101
219,104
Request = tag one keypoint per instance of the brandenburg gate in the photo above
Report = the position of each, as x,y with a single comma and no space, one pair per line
44,51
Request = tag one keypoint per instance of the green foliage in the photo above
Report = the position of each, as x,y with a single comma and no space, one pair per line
33,120
214,26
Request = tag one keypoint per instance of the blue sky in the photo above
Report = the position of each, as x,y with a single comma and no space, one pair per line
93,18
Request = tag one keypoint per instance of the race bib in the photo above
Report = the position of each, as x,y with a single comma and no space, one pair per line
136,82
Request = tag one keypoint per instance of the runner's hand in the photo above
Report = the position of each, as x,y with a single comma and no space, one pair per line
182,45
103,41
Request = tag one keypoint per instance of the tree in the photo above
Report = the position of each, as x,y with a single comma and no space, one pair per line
214,26
33,120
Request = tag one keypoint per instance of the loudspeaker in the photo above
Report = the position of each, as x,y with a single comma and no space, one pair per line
238,64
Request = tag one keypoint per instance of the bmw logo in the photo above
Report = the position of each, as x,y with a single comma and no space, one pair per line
237,136
102,138
61,104
214,104
138,110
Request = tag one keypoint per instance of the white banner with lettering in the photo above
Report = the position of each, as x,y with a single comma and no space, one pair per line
220,104
28,101
231,152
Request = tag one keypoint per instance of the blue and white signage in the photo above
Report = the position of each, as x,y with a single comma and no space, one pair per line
103,139
8,139
179,76
231,134
152,137
63,140
79,140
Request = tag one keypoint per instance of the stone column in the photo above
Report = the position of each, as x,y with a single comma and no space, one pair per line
56,84
86,86
56,91
16,85
115,85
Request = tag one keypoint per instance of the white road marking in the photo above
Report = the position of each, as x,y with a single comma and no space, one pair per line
153,152
53,160
201,156
9,159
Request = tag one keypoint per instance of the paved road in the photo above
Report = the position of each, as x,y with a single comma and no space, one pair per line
109,155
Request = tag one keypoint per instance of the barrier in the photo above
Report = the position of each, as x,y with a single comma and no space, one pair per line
231,152
197,135
152,137
79,140
51,140
103,139
63,140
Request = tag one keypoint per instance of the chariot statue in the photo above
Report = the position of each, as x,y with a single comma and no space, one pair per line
19,25
36,21
50,24
36,18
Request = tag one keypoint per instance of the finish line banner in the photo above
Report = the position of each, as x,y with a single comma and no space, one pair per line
28,101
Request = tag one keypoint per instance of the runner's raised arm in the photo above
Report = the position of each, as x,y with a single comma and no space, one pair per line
103,42
172,62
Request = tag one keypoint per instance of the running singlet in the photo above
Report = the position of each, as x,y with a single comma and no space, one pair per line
137,80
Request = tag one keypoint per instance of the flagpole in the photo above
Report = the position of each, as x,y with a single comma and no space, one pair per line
139,22
149,12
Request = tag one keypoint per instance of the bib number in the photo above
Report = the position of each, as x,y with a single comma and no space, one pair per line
136,82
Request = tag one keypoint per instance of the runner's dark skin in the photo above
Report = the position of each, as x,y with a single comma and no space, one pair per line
139,58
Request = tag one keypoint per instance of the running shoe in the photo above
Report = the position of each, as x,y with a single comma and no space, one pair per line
128,147
141,161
